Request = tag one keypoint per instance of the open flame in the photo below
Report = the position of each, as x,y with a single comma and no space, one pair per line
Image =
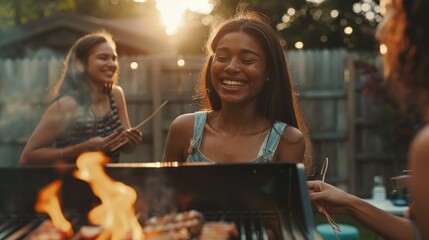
116,213
48,202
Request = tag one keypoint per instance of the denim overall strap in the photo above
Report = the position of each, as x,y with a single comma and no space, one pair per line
272,142
199,122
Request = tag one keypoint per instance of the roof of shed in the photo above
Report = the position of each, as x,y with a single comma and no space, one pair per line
136,33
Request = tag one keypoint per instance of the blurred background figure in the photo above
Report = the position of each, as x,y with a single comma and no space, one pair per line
403,34
89,111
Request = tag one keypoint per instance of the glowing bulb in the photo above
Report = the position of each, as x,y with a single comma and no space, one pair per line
181,62
134,65
383,48
348,30
370,16
334,13
291,11
365,7
357,8
285,18
299,45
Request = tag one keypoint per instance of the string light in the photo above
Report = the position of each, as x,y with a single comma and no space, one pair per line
299,45
348,30
181,62
134,65
383,48
291,11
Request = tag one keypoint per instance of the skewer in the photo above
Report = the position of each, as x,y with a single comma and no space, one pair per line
331,221
324,168
141,124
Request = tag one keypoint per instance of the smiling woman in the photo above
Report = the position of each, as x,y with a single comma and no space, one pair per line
88,112
249,113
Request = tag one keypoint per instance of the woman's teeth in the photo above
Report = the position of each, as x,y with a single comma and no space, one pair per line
233,83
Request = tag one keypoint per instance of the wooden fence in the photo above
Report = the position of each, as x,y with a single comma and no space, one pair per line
324,79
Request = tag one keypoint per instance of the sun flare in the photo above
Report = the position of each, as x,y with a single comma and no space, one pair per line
172,11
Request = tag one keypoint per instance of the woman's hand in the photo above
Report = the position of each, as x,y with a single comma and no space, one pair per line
104,144
328,197
132,137
335,201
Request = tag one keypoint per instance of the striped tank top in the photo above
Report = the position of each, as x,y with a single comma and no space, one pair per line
87,126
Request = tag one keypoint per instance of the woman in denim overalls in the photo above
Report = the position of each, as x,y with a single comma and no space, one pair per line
249,112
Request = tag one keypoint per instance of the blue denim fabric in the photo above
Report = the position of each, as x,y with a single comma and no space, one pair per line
265,154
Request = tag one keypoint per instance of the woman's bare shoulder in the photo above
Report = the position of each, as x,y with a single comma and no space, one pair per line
118,94
293,135
61,112
420,143
117,90
184,122
63,105
422,135
291,146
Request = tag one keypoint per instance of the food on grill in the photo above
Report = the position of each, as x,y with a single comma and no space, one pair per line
176,226
187,225
90,232
218,231
47,231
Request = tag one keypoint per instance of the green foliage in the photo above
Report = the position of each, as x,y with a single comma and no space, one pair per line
394,122
311,23
115,8
14,13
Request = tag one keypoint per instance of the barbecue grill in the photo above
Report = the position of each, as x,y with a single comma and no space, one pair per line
265,201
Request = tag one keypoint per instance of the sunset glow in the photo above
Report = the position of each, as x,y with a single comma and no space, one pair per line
172,11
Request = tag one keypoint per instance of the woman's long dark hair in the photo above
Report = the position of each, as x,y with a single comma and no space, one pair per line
72,80
406,36
277,101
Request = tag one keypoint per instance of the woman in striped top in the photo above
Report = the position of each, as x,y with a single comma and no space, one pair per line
88,112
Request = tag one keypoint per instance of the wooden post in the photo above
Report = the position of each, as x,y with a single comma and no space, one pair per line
350,83
157,120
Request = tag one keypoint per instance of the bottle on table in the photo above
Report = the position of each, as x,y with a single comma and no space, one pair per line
378,190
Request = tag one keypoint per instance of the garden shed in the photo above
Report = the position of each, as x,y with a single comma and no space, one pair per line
54,35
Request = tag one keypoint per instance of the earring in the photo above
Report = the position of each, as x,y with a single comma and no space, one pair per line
208,91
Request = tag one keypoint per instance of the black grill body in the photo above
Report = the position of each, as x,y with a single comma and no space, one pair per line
265,201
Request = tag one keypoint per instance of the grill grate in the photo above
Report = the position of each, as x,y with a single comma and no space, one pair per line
258,225
18,228
252,225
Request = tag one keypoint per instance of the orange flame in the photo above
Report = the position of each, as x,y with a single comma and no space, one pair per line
48,202
116,212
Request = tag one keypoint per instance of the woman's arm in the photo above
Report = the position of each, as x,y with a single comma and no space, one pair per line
291,146
335,201
419,165
59,115
178,138
133,136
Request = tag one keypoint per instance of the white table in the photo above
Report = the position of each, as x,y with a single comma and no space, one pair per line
388,206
